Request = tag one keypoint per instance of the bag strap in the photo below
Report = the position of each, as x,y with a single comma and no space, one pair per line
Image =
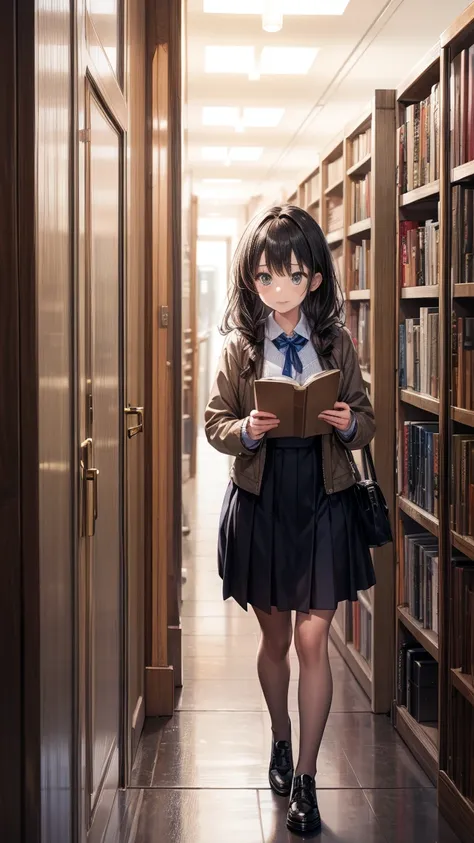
367,463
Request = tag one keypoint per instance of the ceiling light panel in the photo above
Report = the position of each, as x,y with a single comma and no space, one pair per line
290,7
234,153
220,116
262,117
214,153
286,61
248,118
229,59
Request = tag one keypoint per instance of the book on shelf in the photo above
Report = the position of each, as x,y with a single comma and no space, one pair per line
463,361
360,266
359,326
462,114
361,145
312,189
420,462
360,198
463,616
417,681
418,144
360,630
419,253
419,352
335,171
462,234
420,582
462,484
298,406
335,211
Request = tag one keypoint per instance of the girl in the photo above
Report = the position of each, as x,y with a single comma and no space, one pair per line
289,536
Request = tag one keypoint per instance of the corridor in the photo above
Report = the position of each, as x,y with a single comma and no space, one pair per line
201,777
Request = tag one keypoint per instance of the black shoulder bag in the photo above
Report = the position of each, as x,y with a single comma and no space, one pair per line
372,506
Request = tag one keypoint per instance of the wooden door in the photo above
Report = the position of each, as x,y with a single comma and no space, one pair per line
101,339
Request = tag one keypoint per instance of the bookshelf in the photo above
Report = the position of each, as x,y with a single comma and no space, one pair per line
357,214
435,417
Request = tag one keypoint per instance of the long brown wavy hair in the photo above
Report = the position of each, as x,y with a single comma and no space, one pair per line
278,232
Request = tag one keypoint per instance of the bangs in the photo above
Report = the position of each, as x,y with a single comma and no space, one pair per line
277,241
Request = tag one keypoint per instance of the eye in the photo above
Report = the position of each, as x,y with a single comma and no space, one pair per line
297,278
265,279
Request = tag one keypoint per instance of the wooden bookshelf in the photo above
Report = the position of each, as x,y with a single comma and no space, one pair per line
366,145
440,748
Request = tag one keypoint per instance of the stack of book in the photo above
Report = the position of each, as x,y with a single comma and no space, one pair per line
419,253
417,682
462,106
360,199
462,484
335,214
463,361
362,630
419,578
359,273
420,454
418,144
463,617
361,145
335,172
419,352
462,234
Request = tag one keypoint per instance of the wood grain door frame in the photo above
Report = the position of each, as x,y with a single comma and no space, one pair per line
20,736
163,359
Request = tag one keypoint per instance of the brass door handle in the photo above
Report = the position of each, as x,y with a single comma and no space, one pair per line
90,505
92,500
138,428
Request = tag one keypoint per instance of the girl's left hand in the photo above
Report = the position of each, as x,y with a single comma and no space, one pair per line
339,417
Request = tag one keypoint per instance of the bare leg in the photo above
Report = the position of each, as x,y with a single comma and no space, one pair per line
315,684
273,665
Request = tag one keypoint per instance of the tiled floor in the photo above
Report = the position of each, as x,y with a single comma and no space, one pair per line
201,777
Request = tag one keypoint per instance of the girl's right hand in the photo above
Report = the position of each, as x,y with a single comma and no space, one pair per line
260,423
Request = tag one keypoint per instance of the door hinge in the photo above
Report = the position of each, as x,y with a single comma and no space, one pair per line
84,135
164,316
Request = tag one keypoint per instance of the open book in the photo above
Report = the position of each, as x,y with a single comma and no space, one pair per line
298,407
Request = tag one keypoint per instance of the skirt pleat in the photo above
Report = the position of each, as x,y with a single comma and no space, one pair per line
293,546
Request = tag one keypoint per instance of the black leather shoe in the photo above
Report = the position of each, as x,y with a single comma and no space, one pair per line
280,773
303,813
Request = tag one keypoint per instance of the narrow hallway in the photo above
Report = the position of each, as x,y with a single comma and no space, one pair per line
201,777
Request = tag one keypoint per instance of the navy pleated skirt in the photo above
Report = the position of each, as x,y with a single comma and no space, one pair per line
293,546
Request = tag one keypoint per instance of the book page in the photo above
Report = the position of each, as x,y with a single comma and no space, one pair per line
321,395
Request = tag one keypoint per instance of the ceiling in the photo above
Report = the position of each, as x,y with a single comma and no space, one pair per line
373,44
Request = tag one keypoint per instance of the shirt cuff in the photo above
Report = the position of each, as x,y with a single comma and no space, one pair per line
348,435
247,440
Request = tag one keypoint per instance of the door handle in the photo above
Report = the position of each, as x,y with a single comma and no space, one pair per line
138,428
90,491
92,500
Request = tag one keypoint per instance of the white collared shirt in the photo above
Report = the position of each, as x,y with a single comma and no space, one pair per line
274,360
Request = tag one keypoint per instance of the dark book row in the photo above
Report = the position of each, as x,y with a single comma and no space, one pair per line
419,582
463,616
419,352
358,322
463,361
417,682
462,233
462,484
420,455
418,144
419,253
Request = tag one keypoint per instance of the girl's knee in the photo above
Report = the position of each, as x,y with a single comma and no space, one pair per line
276,647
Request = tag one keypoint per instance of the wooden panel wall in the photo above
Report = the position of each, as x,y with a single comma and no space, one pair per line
55,405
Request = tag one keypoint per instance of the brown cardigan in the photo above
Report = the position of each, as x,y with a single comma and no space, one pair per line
232,399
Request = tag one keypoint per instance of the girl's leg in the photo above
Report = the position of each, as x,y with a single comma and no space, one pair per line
273,665
315,684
